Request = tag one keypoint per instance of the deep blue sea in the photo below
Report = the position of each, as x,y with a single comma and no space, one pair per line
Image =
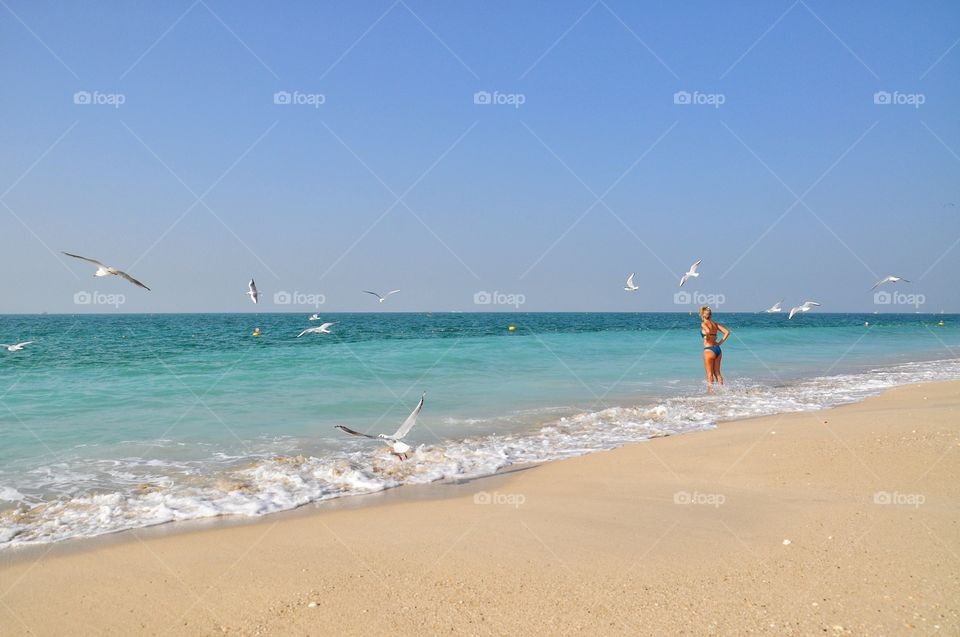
109,422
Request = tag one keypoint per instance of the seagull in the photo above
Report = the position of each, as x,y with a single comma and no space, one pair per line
252,292
774,308
323,329
889,279
692,272
315,317
630,286
397,447
106,270
802,308
384,297
15,348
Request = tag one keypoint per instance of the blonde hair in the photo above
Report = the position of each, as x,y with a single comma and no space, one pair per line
706,312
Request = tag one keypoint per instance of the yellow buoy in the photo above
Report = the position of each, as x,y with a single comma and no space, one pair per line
940,324
512,328
256,331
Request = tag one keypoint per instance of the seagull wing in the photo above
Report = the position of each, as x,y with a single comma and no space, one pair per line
132,280
683,279
307,331
793,311
390,292
880,282
410,421
347,430
24,343
324,327
373,293
693,268
630,280
809,304
77,256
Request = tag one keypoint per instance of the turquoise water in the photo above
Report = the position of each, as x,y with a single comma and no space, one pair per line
118,421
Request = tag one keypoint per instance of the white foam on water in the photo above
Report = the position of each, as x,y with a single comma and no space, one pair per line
135,492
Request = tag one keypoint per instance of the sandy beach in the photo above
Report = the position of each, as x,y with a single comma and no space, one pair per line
843,521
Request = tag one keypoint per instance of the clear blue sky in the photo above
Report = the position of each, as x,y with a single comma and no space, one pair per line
491,193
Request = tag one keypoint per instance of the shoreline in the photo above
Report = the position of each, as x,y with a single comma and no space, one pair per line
836,521
439,490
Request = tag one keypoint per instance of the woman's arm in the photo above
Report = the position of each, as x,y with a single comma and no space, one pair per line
723,331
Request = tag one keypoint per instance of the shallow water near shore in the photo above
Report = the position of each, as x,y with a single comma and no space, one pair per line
123,421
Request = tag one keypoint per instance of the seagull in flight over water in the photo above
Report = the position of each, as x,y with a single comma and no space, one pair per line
106,270
252,292
802,308
315,317
774,308
397,447
889,279
630,286
381,298
323,329
15,348
692,272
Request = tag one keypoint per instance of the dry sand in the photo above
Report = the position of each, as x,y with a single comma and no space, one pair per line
844,521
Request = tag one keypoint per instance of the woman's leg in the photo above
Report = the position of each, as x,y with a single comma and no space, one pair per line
708,366
716,368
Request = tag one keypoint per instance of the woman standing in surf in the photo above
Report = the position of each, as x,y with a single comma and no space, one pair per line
712,354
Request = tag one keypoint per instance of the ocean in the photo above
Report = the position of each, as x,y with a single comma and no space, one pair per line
112,422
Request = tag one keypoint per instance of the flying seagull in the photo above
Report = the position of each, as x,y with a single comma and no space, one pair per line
315,317
397,447
889,279
802,308
252,292
323,329
692,272
106,270
774,308
15,348
630,286
384,297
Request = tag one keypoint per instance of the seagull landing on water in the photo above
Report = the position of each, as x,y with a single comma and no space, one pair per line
773,309
692,272
315,317
106,270
323,329
252,292
802,308
15,348
381,298
397,447
630,286
889,279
